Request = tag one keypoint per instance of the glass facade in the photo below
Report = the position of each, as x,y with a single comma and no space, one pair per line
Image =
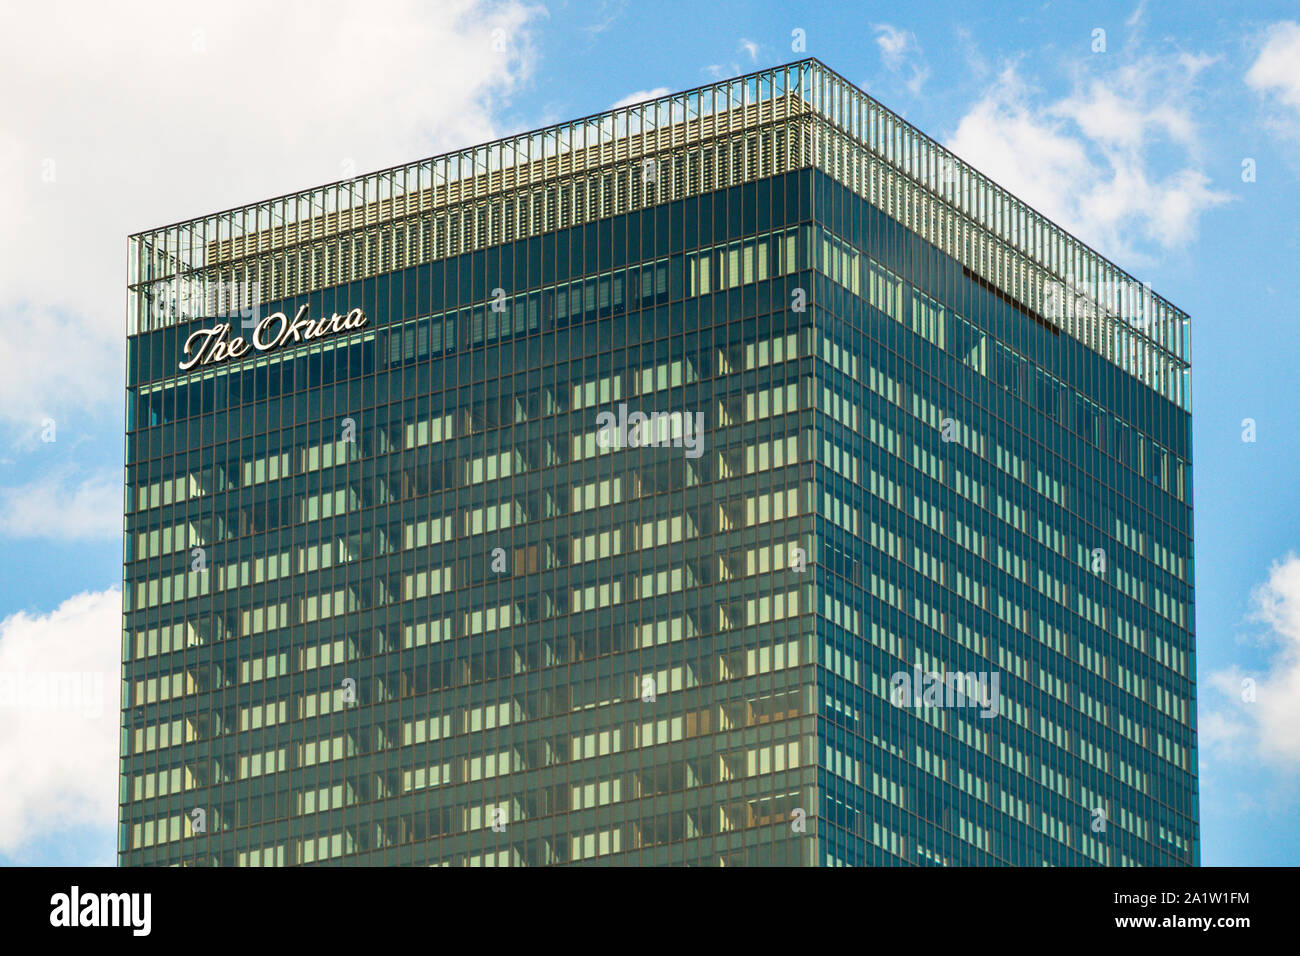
678,446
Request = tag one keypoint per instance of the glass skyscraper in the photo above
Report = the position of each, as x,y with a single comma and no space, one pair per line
733,478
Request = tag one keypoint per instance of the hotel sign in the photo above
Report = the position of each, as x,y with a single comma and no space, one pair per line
209,346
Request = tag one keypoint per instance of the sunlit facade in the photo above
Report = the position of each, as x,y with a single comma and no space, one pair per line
580,498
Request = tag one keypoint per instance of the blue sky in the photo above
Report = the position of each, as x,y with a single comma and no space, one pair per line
1171,143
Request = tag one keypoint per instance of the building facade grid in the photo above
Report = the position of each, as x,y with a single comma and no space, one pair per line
391,597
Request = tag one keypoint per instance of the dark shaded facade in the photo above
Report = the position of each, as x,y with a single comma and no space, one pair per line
394,595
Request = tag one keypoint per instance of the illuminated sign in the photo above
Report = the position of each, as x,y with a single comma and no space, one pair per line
209,346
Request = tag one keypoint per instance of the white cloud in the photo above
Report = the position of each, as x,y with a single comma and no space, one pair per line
129,119
64,504
1269,724
899,48
893,43
919,75
605,17
1276,71
1194,63
59,718
1114,161
640,96
723,71
1217,730
1275,75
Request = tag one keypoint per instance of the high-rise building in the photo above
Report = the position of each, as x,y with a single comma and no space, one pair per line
732,478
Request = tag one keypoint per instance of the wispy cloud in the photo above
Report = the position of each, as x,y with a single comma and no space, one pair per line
750,50
605,17
64,504
640,96
900,52
893,43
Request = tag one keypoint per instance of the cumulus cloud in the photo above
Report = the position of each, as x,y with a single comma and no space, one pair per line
1115,161
1275,71
59,680
136,116
1275,75
1261,711
64,504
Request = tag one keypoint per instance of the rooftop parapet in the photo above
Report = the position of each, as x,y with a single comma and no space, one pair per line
795,116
